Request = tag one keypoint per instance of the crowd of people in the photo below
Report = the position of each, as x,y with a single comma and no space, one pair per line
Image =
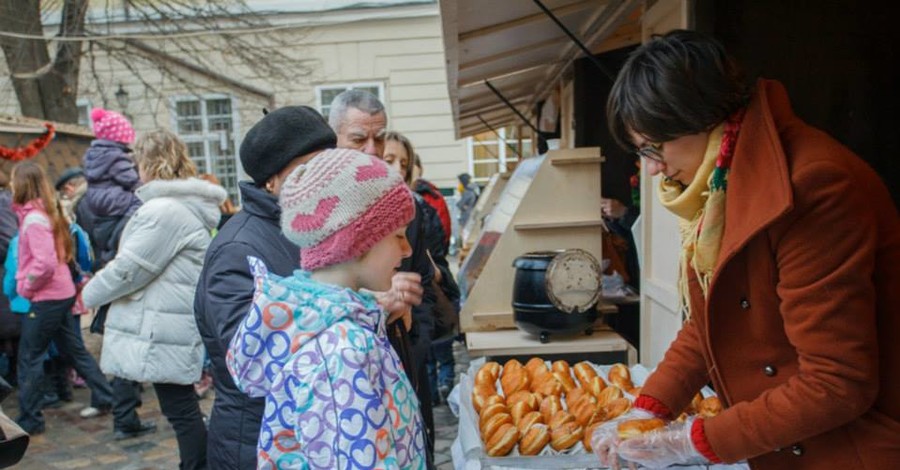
326,298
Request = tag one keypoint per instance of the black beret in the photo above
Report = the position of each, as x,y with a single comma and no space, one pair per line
281,136
68,174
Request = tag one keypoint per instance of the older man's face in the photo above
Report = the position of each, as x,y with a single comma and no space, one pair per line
363,131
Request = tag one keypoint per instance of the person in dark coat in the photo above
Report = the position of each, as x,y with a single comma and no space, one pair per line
282,140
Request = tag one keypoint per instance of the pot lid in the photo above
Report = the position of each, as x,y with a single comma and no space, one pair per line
573,281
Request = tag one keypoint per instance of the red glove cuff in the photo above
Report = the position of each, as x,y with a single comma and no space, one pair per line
658,408
698,438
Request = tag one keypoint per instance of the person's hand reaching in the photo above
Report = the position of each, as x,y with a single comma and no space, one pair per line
605,440
662,448
405,293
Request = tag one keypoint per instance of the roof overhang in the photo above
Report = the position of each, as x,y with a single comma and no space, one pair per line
520,50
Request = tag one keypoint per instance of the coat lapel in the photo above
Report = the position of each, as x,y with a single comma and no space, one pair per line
759,185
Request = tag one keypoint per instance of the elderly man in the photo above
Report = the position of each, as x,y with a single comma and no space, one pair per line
277,144
360,122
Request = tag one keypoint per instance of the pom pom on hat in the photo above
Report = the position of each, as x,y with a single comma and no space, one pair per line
340,204
110,125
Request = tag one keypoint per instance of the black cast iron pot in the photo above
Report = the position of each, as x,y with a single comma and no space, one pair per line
533,309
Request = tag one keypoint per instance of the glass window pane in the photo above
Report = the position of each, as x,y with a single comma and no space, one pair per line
187,108
326,96
486,170
371,89
484,152
198,154
218,107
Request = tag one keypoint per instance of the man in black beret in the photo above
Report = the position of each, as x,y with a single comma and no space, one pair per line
274,146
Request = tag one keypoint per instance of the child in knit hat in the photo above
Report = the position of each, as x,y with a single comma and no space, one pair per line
315,344
109,168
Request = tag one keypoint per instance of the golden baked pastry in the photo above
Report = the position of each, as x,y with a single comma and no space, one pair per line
482,398
494,422
577,394
587,412
549,406
529,420
501,441
533,440
521,408
588,432
566,435
596,386
512,365
620,376
609,394
522,395
514,380
694,406
559,418
565,379
488,374
709,407
636,427
547,385
536,367
617,407
489,411
584,372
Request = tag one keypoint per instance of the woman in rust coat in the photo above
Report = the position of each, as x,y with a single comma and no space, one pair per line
790,273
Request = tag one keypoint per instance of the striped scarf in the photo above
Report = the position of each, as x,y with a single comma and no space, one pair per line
701,209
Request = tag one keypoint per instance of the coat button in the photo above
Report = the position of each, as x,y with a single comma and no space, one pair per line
770,371
745,304
797,450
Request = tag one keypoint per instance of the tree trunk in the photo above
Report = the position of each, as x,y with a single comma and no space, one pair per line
45,90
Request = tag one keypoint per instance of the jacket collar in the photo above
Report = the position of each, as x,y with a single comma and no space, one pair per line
258,202
759,184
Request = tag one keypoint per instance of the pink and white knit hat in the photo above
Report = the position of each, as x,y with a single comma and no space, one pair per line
111,125
340,204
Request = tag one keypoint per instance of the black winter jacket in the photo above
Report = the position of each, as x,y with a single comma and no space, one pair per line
223,297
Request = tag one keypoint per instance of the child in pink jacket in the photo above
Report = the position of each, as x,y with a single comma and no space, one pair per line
43,277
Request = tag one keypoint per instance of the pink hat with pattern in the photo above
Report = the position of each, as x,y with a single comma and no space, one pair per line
340,204
111,125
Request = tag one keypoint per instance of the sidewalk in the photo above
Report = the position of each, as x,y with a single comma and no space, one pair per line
71,442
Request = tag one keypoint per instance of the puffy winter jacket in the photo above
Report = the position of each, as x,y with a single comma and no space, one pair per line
150,333
112,179
40,274
319,353
224,295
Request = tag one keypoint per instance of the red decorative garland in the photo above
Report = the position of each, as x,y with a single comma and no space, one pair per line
33,148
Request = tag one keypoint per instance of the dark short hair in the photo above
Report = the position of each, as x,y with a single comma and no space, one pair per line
676,84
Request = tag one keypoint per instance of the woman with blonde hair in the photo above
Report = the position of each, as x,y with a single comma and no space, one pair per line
151,335
44,278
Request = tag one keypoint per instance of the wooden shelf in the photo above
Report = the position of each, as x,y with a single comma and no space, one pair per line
517,342
558,224
577,161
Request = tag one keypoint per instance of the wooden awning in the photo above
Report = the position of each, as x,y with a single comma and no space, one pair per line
521,51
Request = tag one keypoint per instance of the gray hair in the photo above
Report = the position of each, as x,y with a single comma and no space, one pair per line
359,99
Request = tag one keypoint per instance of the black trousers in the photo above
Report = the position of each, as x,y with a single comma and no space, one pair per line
52,320
126,401
180,405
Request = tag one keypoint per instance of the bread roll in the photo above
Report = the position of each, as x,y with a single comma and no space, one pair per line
709,407
587,412
588,432
484,397
534,439
522,395
521,408
512,365
549,406
547,385
694,407
596,386
488,411
620,376
584,372
565,436
488,374
502,441
617,407
565,379
577,394
529,420
609,394
514,380
494,422
636,427
560,366
536,367
559,418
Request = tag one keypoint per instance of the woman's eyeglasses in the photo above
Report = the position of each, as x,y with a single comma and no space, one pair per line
651,152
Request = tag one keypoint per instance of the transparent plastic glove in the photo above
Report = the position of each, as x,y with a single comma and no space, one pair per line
662,448
605,439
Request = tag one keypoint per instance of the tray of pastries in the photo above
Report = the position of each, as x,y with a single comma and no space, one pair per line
541,414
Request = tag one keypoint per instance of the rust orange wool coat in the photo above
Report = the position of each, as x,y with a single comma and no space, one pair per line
799,335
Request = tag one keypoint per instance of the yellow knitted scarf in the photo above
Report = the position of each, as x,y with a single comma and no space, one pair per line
701,214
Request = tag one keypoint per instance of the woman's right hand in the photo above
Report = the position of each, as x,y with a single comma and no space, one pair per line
605,440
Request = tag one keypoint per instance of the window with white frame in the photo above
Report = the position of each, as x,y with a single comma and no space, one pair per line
325,94
499,152
207,125
84,112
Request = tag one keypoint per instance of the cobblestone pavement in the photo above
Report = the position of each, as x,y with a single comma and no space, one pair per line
71,442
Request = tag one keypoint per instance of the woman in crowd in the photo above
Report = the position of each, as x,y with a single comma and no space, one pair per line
789,271
43,277
150,333
400,154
